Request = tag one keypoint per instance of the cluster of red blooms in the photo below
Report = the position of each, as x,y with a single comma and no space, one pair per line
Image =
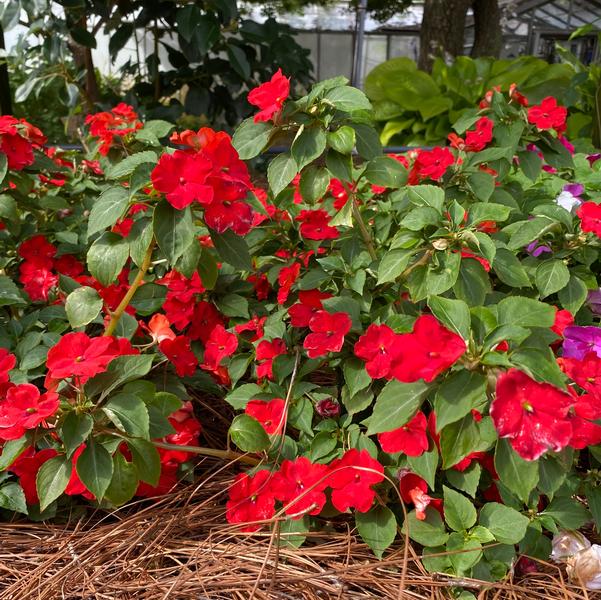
111,126
590,217
475,140
424,353
210,173
39,269
270,96
18,138
300,485
537,417
548,115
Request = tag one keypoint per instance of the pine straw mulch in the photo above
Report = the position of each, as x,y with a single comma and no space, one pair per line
180,547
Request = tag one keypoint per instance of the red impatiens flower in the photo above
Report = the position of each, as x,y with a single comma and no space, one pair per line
590,217
110,126
286,279
251,499
182,177
431,164
351,479
478,139
220,344
327,333
78,355
159,328
68,265
24,408
532,415
563,318
309,303
179,353
270,96
269,413
205,318
7,362
187,430
585,372
426,352
585,432
547,115
485,264
315,225
377,347
300,485
255,325
37,280
411,438
38,250
167,481
414,491
266,352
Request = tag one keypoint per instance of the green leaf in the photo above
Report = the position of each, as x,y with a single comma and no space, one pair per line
458,394
525,312
347,99
463,554
377,528
355,375
128,412
528,231
173,230
466,481
385,171
83,36
238,61
232,249
124,481
396,405
250,138
482,184
95,468
531,163
314,183
367,141
540,364
107,257
207,268
505,523
146,459
519,475
75,430
342,140
429,532
509,269
593,497
233,305
426,195
119,371
292,532
453,314
339,165
83,305
420,218
12,498
459,512
393,263
567,513
573,295
463,437
11,450
307,146
239,397
139,239
149,298
9,292
280,172
487,211
248,434
551,276
107,209
127,165
425,465
52,479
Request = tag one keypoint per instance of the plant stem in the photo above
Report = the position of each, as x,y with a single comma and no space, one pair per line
223,454
363,229
116,316
418,263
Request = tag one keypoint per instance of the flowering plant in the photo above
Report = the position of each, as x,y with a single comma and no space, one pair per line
393,341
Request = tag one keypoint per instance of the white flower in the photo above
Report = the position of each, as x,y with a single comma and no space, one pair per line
585,567
567,543
568,201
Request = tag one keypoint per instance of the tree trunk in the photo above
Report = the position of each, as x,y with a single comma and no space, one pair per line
6,107
442,31
488,39
82,56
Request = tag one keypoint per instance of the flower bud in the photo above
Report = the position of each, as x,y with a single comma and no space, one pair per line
328,408
568,543
585,567
440,244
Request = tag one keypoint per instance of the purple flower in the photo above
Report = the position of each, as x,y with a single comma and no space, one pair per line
593,158
535,250
594,301
578,341
570,196
576,189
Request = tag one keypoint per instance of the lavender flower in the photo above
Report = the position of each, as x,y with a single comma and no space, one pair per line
534,249
579,341
594,301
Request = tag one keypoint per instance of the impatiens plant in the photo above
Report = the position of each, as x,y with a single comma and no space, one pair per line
412,339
